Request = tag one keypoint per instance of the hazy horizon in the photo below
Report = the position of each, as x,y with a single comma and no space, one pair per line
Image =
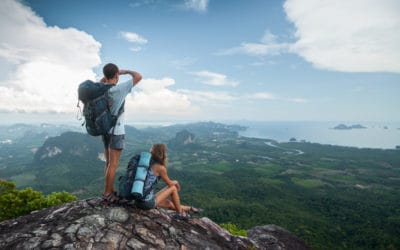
383,135
71,119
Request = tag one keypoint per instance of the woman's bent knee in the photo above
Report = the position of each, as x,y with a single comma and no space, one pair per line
173,189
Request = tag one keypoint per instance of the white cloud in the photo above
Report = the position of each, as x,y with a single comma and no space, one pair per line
140,3
41,65
263,95
183,63
350,36
135,49
135,5
154,97
298,100
271,96
197,5
215,79
267,46
133,37
207,97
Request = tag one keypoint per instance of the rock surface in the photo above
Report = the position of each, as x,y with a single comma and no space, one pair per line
86,224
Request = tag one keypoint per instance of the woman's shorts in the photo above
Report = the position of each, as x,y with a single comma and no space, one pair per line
146,205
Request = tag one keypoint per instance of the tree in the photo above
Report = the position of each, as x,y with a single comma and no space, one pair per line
233,229
14,202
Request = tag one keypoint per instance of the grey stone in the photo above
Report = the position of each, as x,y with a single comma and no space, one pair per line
118,214
160,243
40,232
136,244
17,237
32,243
112,239
172,232
72,229
86,224
54,242
47,244
69,246
98,236
85,233
94,219
275,237
56,239
51,216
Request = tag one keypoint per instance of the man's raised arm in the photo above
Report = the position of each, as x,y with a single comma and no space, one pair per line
136,77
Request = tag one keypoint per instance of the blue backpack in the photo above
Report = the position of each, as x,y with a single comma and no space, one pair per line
96,107
134,184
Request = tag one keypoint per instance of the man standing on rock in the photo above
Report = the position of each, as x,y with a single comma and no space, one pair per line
114,142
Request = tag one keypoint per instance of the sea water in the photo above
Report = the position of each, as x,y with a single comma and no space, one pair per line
375,135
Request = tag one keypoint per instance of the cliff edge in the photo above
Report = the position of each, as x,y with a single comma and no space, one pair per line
86,224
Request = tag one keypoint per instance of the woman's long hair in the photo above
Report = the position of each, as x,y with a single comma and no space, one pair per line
159,153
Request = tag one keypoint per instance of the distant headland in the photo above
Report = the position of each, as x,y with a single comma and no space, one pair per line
345,127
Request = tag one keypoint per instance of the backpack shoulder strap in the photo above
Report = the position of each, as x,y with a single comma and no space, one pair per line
107,95
121,109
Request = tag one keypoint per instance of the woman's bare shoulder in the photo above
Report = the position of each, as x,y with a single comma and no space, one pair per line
158,168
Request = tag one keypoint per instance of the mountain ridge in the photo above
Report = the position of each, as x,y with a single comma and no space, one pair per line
85,224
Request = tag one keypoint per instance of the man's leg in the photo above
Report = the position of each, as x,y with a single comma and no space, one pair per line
107,157
106,142
114,155
116,144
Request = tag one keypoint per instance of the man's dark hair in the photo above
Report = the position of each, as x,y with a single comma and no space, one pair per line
109,70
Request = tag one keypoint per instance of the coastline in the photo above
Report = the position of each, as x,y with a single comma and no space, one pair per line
376,135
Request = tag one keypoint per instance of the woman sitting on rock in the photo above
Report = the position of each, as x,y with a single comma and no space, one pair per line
167,197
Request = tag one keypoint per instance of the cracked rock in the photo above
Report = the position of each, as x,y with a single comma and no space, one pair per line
86,224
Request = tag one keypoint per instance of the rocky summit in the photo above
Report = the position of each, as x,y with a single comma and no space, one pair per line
86,224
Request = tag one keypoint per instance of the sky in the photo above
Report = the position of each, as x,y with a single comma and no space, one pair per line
293,60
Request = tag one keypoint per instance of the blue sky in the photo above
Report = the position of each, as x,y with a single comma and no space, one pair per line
206,60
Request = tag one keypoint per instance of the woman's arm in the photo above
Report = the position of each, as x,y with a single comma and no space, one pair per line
166,179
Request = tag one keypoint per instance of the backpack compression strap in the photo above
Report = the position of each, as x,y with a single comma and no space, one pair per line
120,111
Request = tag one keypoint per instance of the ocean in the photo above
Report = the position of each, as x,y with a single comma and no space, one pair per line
375,135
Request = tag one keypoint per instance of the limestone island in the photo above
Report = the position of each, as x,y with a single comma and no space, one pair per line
345,127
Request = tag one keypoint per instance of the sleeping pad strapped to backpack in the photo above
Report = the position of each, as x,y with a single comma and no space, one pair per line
96,110
133,185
